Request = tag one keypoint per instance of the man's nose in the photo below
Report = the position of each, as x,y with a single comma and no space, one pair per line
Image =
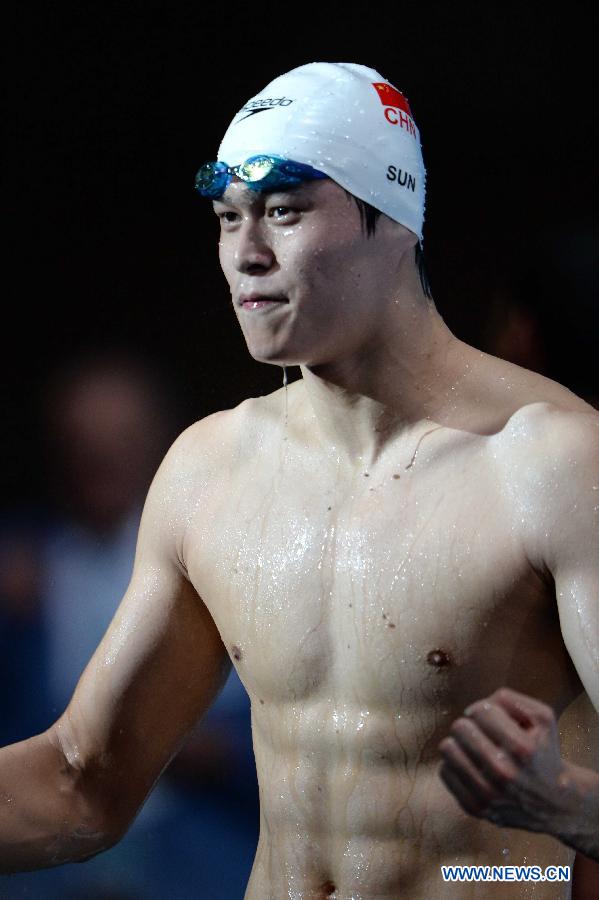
253,252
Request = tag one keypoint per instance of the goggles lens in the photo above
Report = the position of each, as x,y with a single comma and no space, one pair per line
260,173
256,169
212,179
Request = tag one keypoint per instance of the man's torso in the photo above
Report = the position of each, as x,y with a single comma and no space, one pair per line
364,609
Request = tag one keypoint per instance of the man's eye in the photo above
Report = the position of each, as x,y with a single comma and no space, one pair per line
227,217
279,212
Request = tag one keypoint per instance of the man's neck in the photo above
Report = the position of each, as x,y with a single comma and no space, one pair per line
412,378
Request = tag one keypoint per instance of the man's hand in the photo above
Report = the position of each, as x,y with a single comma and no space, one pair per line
502,762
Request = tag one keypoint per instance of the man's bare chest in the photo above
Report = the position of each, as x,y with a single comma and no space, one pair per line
400,586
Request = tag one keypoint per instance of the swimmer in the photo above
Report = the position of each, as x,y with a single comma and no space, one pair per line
397,552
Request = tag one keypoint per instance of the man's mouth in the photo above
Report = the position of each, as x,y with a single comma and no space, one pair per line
261,301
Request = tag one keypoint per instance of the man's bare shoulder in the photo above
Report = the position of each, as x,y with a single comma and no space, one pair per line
549,458
547,432
220,439
546,460
206,452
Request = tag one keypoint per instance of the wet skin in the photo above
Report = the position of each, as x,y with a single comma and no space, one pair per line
377,562
374,549
363,612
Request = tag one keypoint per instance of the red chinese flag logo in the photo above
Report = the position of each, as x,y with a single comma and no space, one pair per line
390,96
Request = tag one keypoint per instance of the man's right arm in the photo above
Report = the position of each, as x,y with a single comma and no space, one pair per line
72,791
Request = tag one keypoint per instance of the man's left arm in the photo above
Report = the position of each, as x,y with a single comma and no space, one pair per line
502,758
572,556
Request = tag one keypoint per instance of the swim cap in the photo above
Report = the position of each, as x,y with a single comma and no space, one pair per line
345,120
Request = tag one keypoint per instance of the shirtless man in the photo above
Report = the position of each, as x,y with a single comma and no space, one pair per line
405,531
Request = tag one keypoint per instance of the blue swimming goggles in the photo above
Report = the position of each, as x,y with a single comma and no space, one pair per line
260,173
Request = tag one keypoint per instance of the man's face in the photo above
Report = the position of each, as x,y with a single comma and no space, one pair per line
307,284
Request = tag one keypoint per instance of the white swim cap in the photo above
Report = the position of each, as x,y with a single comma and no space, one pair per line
345,120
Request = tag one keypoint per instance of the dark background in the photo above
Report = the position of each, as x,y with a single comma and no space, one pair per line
115,105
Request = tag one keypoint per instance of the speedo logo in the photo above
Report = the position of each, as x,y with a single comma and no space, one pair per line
258,106
397,108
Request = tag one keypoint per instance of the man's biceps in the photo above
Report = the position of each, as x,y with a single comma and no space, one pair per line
158,550
159,606
155,672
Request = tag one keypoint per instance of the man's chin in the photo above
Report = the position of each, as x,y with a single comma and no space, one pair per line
278,361
275,356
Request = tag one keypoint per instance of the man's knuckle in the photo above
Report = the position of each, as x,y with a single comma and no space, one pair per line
523,750
502,693
476,707
459,728
501,771
545,714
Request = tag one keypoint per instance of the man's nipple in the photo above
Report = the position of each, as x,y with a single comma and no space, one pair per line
439,659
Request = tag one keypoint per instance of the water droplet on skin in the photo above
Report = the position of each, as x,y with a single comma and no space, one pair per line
286,401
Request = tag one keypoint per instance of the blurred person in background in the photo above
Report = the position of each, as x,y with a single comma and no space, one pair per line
107,422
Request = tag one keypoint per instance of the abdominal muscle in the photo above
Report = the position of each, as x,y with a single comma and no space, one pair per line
352,810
